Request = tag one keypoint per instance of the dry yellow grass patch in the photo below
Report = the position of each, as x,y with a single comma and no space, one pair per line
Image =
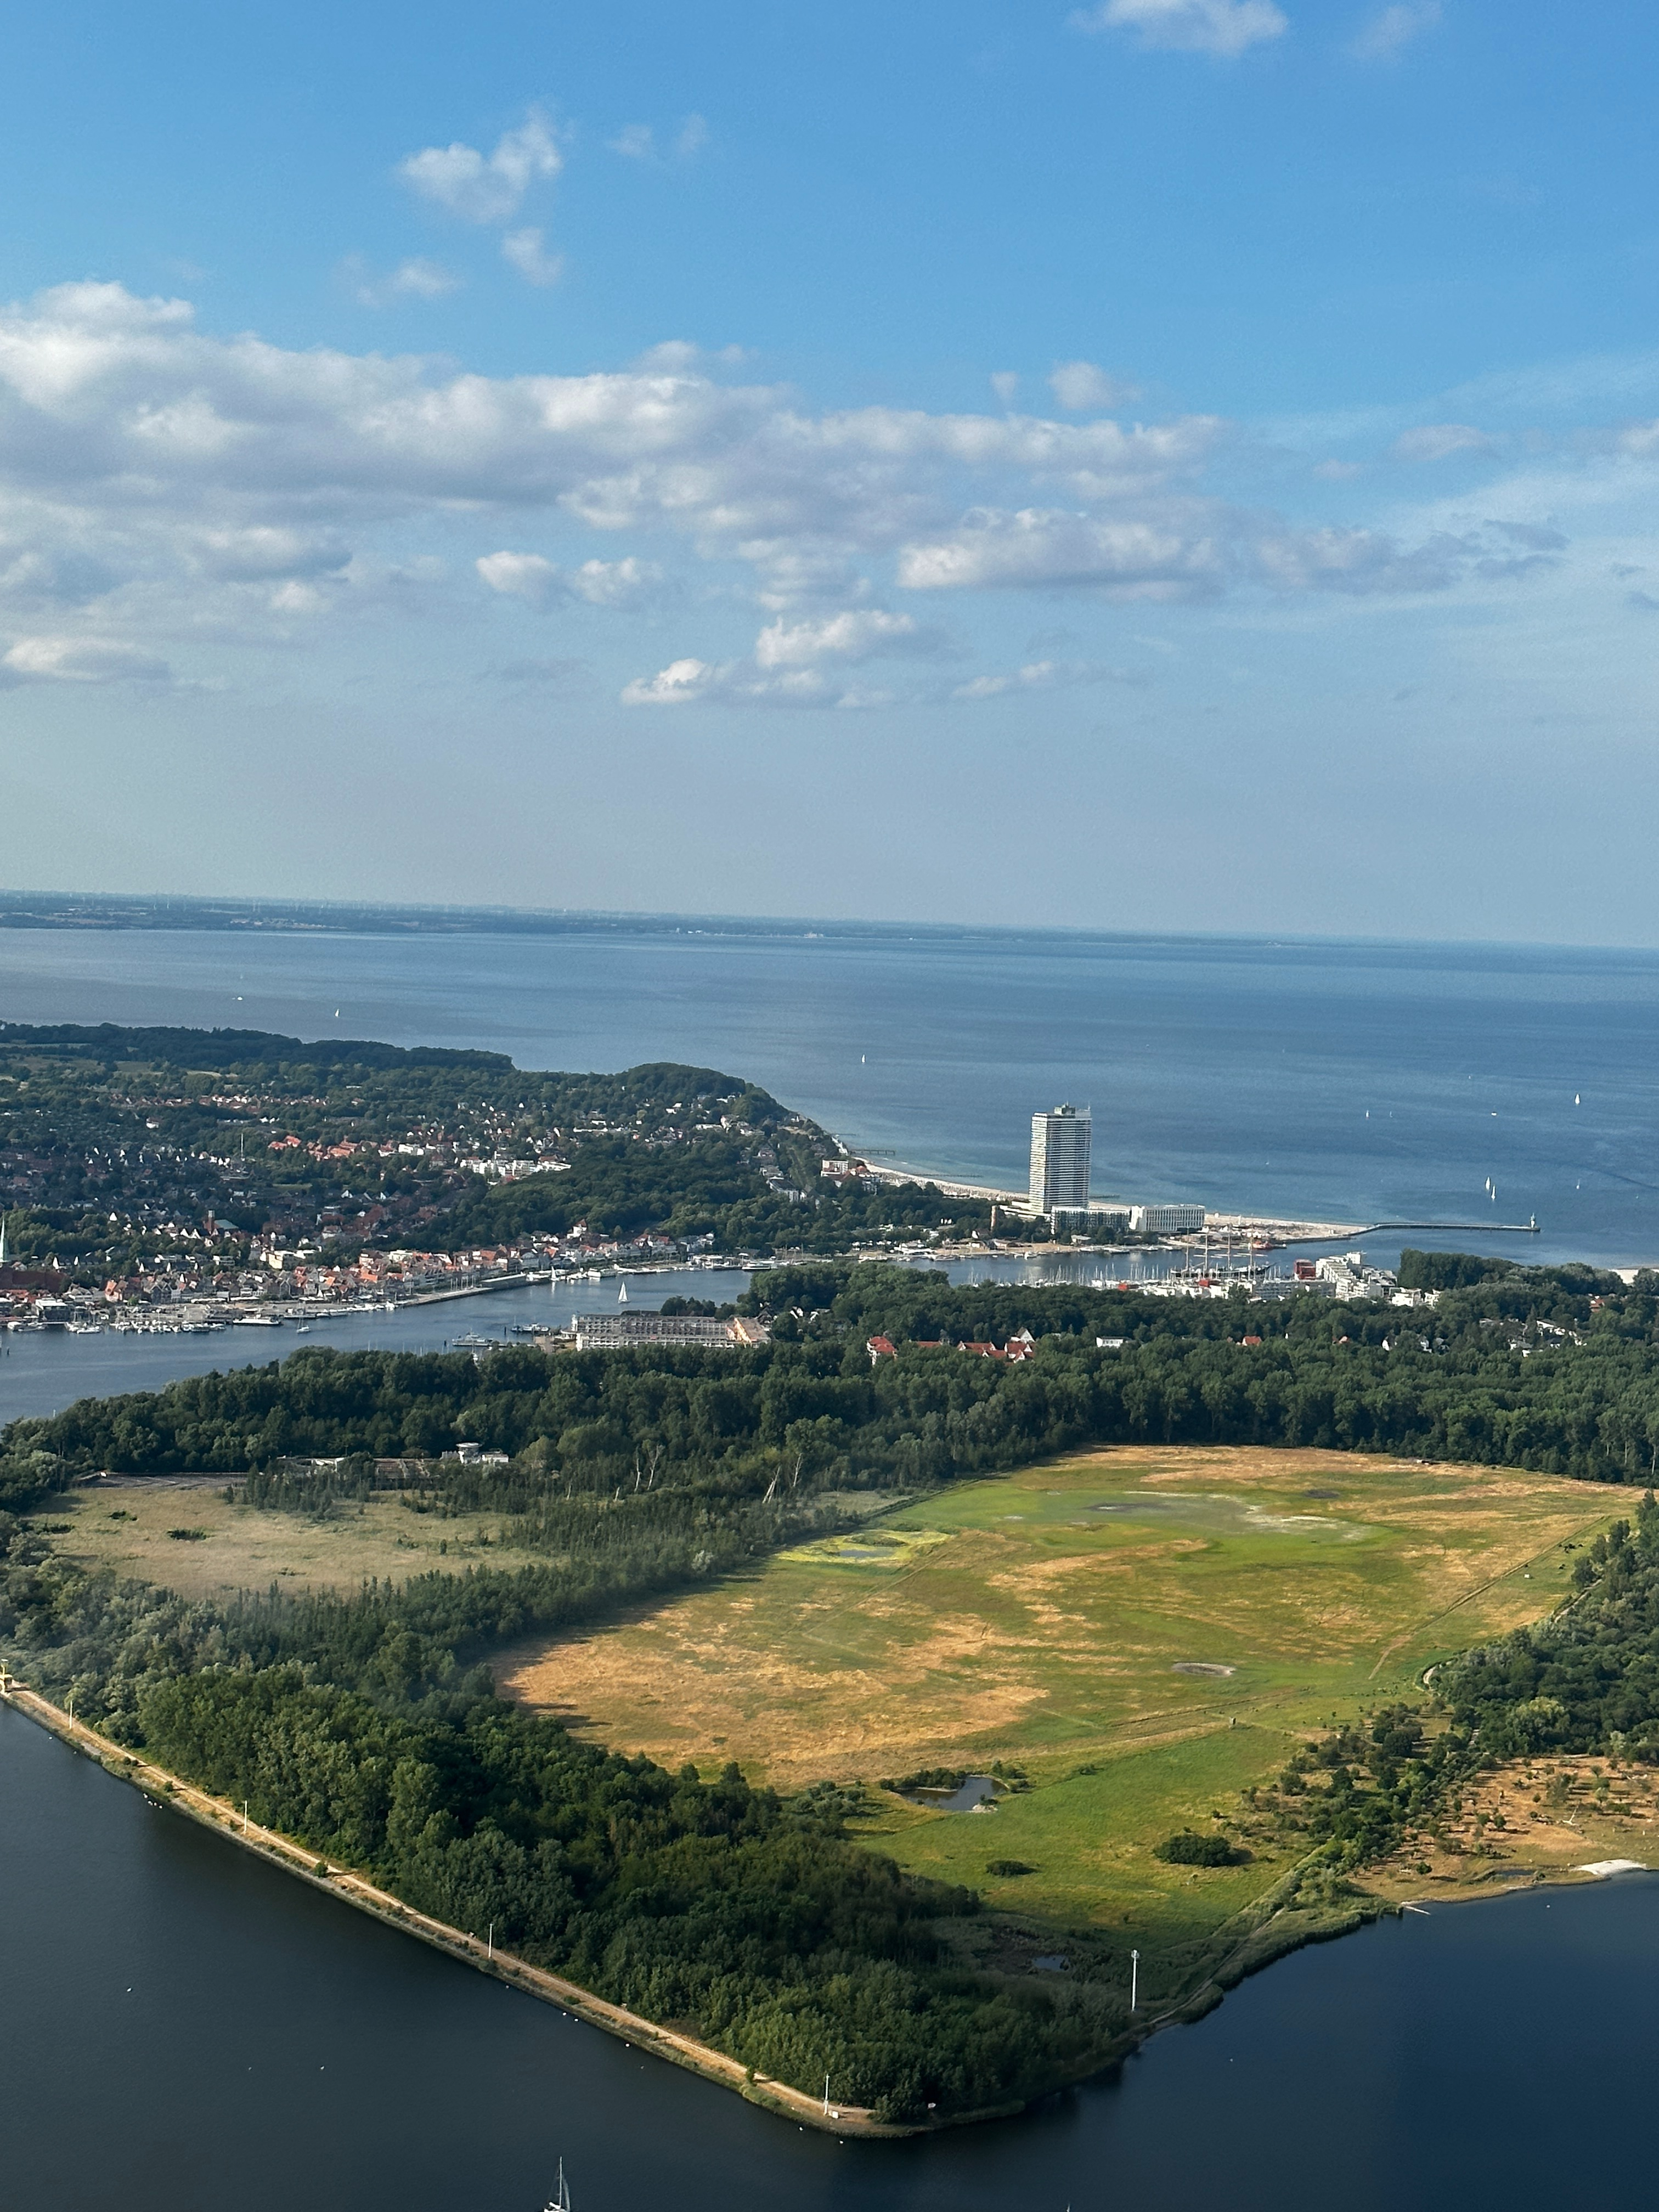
247,1550
1031,1624
1546,1816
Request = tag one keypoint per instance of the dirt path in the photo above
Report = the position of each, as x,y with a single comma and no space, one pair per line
342,1882
1419,1627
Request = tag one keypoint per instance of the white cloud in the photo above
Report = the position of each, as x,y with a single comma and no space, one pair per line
1039,676
521,576
677,685
540,583
740,684
786,666
1081,388
1195,550
524,251
175,489
481,188
262,552
1130,559
1005,383
81,660
854,635
1439,441
415,279
1392,31
1225,28
637,142
617,583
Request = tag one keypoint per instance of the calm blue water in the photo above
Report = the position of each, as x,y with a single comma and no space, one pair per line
1339,1080
185,2029
43,1374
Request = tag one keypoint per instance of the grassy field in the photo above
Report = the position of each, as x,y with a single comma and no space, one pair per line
128,1530
1144,1632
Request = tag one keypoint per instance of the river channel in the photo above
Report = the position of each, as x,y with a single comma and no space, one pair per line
185,2029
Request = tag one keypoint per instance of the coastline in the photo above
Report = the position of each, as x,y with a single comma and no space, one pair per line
355,1889
1263,1932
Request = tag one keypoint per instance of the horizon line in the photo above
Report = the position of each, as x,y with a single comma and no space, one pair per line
17,912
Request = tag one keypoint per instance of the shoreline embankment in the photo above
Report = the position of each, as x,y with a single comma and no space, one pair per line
1272,1927
168,1790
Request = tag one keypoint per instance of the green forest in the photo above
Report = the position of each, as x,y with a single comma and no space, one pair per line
1541,1369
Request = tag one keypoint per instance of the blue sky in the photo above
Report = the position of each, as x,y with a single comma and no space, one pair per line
1187,463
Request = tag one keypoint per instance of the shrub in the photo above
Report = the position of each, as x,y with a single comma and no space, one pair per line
1190,1849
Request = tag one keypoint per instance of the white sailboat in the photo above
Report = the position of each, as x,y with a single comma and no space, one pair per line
560,2201
622,1295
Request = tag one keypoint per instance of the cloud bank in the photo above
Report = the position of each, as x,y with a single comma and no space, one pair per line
162,490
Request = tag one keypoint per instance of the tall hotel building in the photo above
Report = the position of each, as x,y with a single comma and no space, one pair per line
1060,1158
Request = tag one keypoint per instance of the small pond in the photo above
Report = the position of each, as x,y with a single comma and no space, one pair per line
976,1789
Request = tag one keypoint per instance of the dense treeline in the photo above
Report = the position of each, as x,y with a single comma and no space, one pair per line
1523,1370
1462,1271
709,1903
1586,1682
711,1186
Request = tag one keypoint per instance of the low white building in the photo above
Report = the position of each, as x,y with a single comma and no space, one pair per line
1165,1220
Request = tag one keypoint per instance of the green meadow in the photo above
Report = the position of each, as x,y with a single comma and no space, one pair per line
1144,1633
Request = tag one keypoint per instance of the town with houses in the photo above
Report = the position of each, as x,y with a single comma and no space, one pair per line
215,1272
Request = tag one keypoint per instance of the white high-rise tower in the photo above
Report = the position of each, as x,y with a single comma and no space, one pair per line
1060,1144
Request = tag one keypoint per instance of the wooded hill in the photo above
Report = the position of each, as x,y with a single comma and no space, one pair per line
114,1141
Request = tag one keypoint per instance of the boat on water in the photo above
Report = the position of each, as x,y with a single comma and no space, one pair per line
257,1321
560,2200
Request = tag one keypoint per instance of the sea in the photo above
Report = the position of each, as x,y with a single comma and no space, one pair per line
183,2027
1334,1080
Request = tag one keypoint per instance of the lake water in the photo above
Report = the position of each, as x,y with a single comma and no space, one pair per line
185,2029
1342,1081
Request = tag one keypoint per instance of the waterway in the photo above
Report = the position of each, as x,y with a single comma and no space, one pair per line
183,2028
1336,1081
43,1373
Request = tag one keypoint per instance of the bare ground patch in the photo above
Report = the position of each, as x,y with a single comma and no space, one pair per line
126,1530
